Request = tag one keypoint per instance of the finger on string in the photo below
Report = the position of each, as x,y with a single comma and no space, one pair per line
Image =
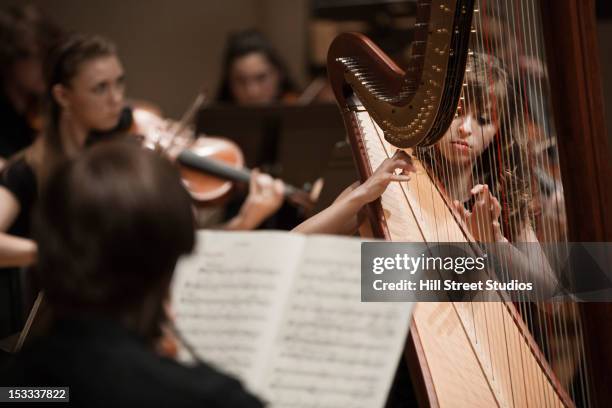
495,207
253,181
400,177
391,166
279,187
400,154
486,196
482,193
461,210
497,232
477,189
266,184
409,169
392,163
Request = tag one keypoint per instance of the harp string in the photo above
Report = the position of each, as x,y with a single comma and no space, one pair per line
508,129
533,96
520,164
518,25
569,312
559,320
507,158
572,307
554,326
488,108
541,320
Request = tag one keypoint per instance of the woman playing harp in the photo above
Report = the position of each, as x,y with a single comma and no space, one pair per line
474,184
481,163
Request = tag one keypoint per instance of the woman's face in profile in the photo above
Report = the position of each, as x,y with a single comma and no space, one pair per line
254,80
95,96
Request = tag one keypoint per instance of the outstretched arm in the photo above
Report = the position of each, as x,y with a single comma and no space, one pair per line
341,216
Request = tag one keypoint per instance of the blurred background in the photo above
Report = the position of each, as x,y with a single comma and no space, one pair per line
172,48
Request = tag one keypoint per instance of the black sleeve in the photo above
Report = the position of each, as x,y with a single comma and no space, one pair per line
216,389
19,179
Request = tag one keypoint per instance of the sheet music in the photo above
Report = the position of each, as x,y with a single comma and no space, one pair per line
283,312
331,349
228,295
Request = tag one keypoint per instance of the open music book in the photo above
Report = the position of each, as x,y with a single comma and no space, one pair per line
282,312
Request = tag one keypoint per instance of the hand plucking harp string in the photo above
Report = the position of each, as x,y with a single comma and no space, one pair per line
483,219
395,168
342,216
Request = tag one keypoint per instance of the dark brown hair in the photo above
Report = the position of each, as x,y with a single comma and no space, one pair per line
62,65
247,42
24,32
110,227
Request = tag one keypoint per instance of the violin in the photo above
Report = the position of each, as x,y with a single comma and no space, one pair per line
209,166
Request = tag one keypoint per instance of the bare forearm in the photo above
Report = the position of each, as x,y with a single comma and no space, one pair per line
16,251
339,218
240,223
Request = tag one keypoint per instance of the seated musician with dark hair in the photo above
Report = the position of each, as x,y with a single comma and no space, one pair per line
85,89
110,228
253,73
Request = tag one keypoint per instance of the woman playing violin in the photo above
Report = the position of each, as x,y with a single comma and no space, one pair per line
86,86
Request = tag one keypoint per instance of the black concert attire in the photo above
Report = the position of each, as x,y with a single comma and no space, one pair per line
17,134
18,177
106,365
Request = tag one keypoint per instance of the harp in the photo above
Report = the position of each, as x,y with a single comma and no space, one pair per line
386,107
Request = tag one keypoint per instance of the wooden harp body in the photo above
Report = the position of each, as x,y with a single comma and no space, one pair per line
385,107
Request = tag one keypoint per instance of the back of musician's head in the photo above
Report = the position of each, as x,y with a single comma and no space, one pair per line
110,228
